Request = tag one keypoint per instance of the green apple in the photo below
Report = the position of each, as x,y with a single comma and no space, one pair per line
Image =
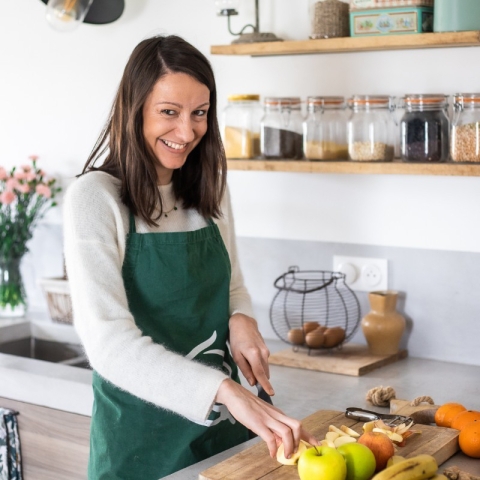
360,461
323,463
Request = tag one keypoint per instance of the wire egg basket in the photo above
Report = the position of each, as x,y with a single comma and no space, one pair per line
314,301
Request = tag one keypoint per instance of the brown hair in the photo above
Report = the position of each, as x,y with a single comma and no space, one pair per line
200,183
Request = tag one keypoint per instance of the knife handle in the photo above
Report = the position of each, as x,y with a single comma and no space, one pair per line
361,415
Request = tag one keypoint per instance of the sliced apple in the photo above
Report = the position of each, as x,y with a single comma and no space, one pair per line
394,460
368,426
349,431
327,443
333,428
332,436
343,440
395,437
302,446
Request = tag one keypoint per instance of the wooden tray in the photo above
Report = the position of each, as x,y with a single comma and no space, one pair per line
351,359
255,463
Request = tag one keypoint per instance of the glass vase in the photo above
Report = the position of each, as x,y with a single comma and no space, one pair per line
13,300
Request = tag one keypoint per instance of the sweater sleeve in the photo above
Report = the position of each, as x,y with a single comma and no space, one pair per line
240,301
94,231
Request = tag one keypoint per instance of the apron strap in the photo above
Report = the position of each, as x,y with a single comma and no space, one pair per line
132,228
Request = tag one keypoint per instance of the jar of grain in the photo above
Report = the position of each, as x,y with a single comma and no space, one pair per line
325,129
241,126
281,128
424,128
465,139
370,128
329,18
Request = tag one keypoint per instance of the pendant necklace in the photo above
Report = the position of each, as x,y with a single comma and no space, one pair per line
165,214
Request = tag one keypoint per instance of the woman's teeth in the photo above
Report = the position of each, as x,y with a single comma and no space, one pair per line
176,146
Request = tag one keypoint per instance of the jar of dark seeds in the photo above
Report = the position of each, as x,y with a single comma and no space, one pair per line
281,135
465,138
424,128
370,128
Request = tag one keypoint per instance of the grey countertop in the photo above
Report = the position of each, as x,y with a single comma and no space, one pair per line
300,393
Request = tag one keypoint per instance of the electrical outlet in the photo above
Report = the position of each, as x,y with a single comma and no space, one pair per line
363,274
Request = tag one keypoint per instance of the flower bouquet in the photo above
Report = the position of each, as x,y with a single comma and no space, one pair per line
25,196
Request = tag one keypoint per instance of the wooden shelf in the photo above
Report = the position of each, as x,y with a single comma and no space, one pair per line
381,168
352,44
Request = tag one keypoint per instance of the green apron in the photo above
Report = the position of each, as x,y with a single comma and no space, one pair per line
177,285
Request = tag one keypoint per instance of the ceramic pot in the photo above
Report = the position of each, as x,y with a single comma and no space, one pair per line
383,326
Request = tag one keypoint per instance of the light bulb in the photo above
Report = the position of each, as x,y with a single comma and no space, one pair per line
224,6
66,15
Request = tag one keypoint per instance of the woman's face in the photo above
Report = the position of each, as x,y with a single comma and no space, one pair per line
174,121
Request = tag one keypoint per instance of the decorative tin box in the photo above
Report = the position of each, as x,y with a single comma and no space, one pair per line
369,4
391,21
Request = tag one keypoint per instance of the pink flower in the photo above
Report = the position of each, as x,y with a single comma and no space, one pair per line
30,176
26,168
7,197
19,174
42,173
23,187
33,157
43,190
12,183
3,174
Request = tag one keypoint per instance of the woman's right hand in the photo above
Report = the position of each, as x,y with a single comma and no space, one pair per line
267,421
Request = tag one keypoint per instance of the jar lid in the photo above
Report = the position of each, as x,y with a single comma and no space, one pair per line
473,99
427,100
243,97
283,101
371,101
330,101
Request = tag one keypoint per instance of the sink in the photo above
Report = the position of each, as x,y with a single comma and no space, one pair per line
41,341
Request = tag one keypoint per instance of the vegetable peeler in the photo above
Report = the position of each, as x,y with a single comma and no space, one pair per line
368,416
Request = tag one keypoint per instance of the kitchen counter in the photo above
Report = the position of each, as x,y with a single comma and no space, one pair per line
299,393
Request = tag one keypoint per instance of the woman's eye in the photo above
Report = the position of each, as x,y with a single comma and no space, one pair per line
169,112
200,113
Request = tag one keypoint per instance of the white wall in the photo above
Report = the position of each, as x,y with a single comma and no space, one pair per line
56,90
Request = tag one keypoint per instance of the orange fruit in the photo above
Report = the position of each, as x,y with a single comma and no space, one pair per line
447,412
469,439
465,417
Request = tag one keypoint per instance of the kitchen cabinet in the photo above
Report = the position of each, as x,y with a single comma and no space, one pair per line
350,44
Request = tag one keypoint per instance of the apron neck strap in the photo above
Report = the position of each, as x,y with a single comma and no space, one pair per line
132,224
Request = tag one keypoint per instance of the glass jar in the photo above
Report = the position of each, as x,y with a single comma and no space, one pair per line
281,128
370,128
325,129
424,128
241,126
465,139
329,18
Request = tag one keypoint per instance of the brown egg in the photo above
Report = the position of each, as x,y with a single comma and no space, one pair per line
315,338
333,336
296,336
309,326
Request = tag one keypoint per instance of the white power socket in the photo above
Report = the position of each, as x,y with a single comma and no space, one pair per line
363,274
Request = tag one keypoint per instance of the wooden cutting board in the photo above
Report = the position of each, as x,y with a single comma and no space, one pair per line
351,359
255,462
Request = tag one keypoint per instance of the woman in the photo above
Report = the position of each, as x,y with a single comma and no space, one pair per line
156,286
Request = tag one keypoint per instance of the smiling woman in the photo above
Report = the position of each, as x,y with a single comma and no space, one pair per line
158,296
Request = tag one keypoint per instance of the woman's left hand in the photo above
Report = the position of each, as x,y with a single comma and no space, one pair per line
249,351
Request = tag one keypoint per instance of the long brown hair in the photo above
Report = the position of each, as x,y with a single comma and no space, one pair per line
200,183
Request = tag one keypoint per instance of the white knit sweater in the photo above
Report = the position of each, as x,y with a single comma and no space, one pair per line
96,225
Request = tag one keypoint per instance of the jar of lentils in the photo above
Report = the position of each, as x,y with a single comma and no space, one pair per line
325,129
370,128
425,128
281,128
465,138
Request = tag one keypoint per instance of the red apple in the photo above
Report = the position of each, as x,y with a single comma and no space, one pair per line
381,446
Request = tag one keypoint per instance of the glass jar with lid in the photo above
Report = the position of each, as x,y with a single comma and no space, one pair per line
329,18
370,128
325,129
281,128
241,126
424,128
465,138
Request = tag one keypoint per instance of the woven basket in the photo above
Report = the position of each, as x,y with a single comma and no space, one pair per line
330,19
57,292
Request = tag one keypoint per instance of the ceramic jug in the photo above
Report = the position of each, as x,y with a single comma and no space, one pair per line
383,326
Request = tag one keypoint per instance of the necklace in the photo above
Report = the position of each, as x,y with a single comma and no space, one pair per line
165,214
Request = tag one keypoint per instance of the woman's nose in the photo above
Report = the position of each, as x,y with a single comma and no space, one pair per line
185,130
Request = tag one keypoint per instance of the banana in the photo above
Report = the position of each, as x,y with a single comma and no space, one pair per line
420,467
394,460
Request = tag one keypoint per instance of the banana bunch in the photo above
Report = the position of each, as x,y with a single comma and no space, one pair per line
421,467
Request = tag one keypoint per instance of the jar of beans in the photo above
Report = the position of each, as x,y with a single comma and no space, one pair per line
370,128
325,129
425,128
465,138
281,129
241,126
